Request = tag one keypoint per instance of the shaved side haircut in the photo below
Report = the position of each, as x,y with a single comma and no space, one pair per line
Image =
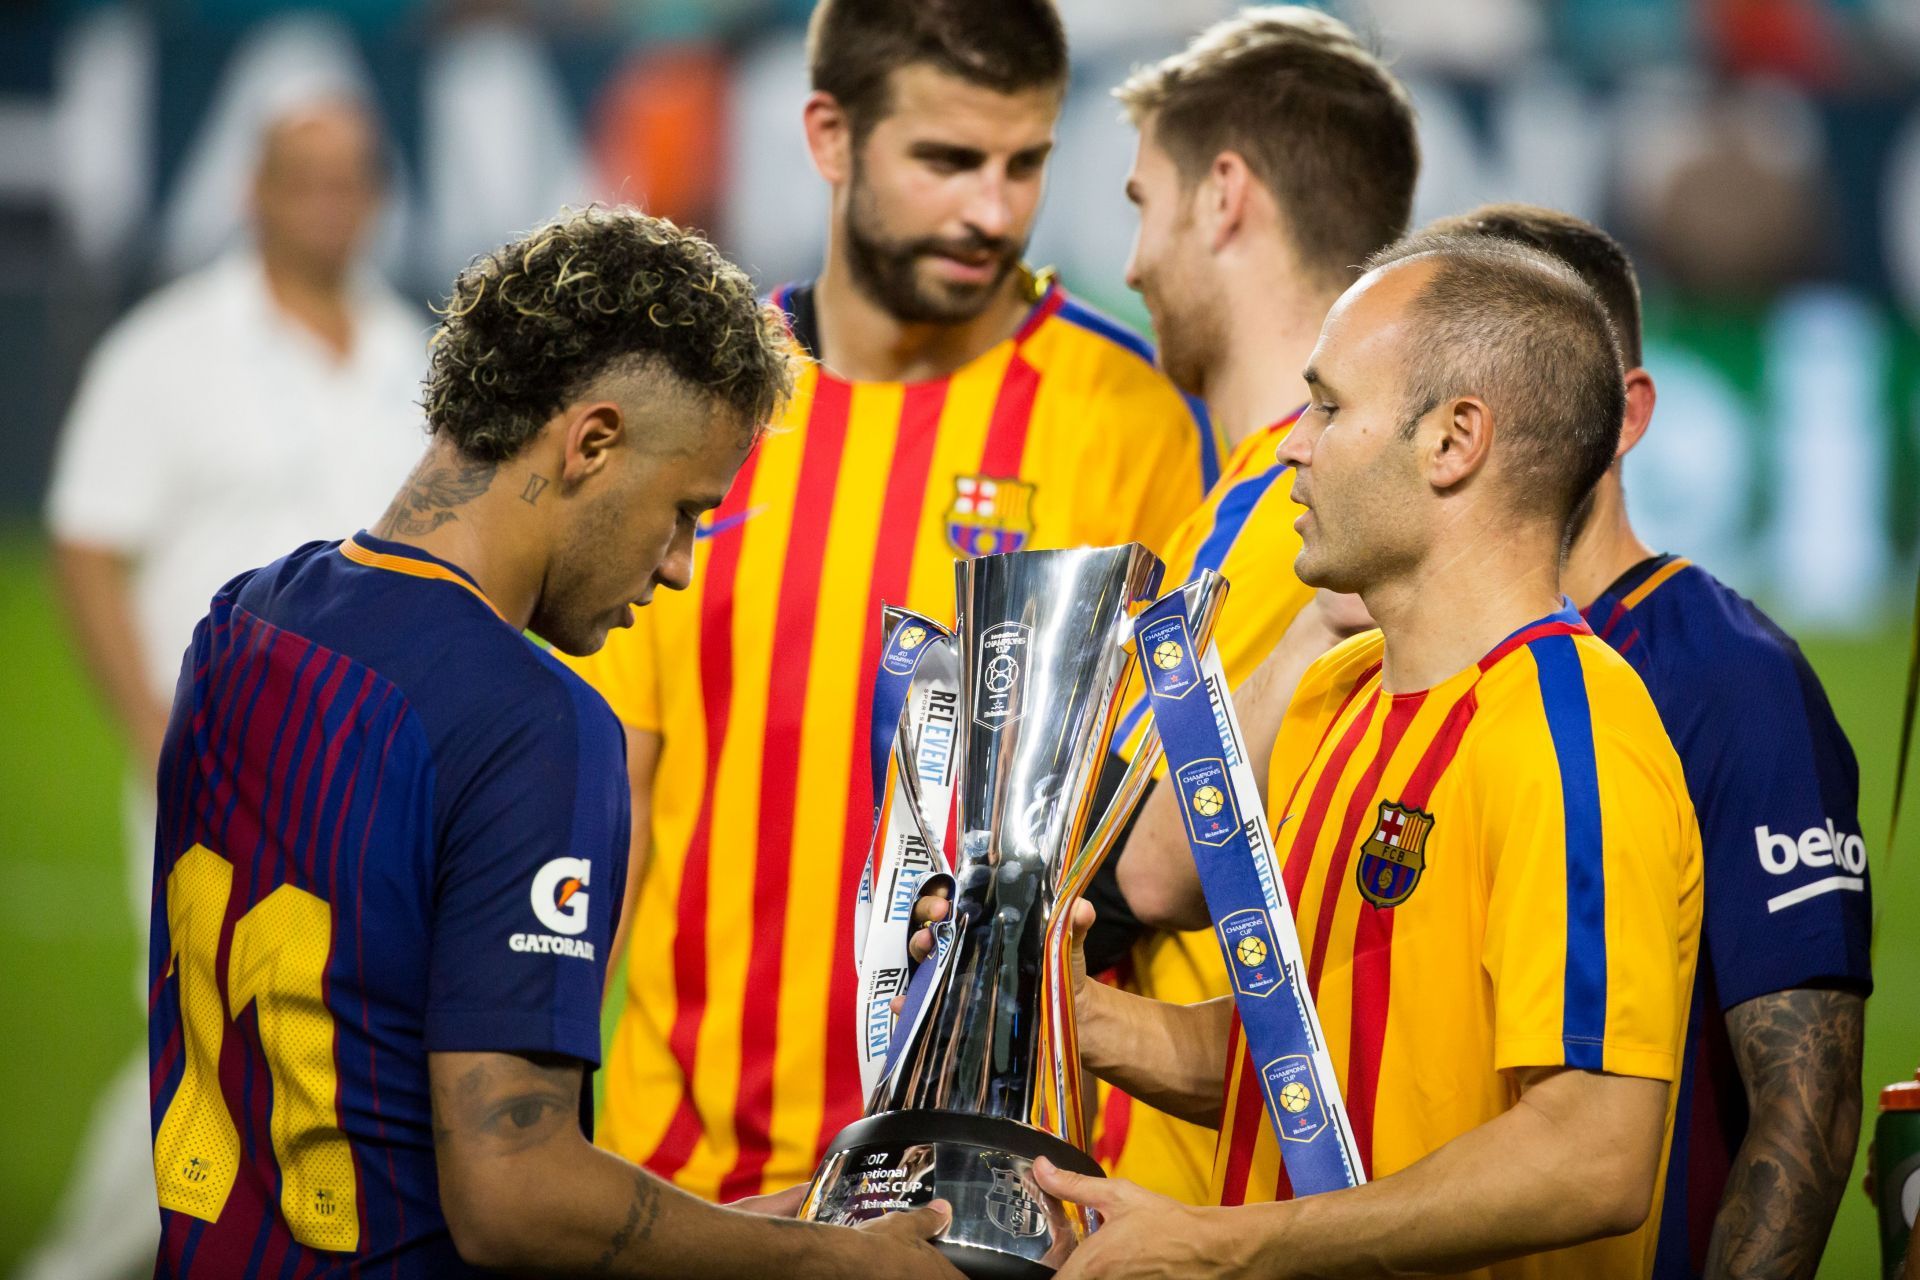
1320,121
1593,254
1522,331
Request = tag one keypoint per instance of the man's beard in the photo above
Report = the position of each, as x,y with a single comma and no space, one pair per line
1190,343
885,269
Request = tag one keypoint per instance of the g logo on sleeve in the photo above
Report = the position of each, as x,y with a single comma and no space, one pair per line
560,895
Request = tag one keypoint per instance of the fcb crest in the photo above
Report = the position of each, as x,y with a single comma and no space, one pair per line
990,514
1391,862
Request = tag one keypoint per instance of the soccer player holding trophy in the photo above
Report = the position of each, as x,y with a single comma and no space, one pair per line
1479,820
957,404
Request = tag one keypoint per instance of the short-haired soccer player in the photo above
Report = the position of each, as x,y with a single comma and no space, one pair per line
393,831
1770,1089
1275,155
1505,1001
959,404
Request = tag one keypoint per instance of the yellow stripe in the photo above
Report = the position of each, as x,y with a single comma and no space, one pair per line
353,551
1652,584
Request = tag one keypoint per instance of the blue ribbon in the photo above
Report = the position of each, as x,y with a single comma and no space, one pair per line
1303,1098
899,659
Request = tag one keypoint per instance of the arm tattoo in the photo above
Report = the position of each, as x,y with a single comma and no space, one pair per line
431,493
642,1213
1799,1056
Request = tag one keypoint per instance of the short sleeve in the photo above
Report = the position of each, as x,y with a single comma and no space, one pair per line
109,474
625,672
1787,889
1593,864
530,878
1152,461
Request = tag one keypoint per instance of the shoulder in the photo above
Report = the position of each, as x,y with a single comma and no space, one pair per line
1078,341
1578,694
1715,646
171,321
1336,673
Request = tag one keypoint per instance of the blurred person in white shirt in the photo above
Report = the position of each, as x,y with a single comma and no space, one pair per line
265,401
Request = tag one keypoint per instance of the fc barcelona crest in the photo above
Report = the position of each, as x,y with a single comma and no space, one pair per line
1391,862
990,514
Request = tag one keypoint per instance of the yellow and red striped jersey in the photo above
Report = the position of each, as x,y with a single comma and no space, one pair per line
1244,529
734,1061
1500,872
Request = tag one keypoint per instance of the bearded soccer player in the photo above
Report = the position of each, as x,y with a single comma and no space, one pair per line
1770,1088
393,831
1482,827
1275,155
959,405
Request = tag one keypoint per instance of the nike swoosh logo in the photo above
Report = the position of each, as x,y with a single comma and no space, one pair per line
715,528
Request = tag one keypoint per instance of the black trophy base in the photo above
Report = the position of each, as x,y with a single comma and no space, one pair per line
1004,1226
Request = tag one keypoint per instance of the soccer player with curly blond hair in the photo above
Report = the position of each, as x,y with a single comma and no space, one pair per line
393,832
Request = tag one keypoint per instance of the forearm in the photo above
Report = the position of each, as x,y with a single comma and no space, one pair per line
1799,1054
1169,1056
1536,1178
588,1211
99,608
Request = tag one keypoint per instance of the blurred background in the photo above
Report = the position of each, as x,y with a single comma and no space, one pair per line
1761,158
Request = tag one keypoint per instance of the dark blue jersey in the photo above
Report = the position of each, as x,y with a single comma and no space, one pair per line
1775,785
389,825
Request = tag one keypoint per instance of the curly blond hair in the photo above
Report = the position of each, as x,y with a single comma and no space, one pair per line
532,323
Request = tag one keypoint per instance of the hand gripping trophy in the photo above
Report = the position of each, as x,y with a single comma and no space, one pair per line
1013,716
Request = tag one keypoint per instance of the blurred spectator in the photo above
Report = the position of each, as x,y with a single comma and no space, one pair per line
263,402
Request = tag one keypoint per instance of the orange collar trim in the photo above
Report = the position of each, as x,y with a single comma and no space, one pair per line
1652,584
353,551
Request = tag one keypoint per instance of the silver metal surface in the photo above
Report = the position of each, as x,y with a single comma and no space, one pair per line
1042,665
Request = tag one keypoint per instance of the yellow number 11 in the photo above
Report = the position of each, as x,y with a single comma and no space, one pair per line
278,962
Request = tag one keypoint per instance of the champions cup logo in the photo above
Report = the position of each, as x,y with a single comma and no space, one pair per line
1168,653
1208,808
1247,938
899,654
989,515
997,697
1392,861
1297,1111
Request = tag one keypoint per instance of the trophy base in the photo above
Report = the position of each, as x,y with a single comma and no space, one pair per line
1004,1226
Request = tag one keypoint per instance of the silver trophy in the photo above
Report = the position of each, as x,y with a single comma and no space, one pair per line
983,1075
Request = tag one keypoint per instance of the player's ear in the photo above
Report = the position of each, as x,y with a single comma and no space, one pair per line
829,137
1639,411
1227,188
590,433
1459,436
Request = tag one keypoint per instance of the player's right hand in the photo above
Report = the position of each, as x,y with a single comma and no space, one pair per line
907,1251
930,908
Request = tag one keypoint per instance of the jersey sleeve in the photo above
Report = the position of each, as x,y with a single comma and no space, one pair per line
1787,889
625,672
1150,463
532,864
1592,858
109,484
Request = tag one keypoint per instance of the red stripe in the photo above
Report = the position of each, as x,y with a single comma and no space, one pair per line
1006,441
1333,722
898,535
690,939
1400,713
1116,1119
1527,635
1051,301
1307,834
1373,946
1241,1132
795,617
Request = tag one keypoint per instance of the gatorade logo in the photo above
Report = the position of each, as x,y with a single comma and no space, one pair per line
560,895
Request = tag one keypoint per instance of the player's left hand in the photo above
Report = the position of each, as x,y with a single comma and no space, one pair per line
780,1204
1143,1235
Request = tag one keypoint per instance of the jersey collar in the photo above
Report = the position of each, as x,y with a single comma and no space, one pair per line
398,557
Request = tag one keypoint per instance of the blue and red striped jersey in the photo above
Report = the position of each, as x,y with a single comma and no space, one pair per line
1786,889
389,825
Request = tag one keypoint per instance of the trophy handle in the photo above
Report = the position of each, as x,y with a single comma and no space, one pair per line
1062,1095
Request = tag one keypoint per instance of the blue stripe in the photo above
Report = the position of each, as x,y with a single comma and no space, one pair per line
1563,692
1073,311
1232,517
